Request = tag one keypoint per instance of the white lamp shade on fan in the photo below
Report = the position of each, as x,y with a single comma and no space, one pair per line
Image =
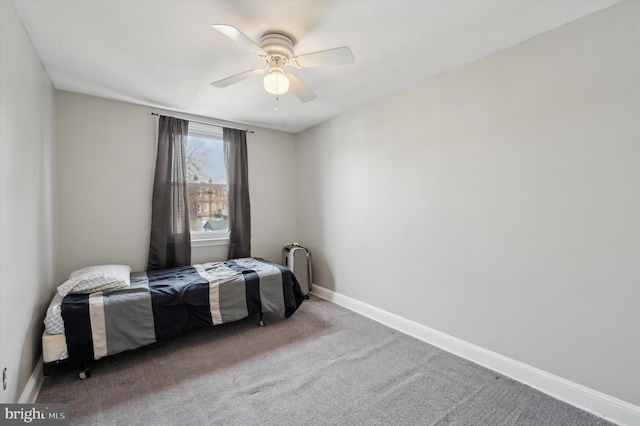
276,82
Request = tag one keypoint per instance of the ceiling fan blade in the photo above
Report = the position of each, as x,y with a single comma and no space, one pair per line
300,89
236,78
239,37
336,56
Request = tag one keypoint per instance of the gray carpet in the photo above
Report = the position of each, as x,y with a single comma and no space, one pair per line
323,366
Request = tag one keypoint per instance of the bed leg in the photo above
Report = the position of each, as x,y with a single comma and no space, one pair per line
261,323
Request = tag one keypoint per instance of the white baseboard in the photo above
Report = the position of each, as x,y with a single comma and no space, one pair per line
598,403
32,388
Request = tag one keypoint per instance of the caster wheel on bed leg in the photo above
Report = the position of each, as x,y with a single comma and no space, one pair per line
84,373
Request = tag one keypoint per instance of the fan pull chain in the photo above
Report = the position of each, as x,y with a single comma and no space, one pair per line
276,104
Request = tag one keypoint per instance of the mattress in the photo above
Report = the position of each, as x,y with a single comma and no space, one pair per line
54,347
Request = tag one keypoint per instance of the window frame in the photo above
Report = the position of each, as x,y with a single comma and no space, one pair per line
207,238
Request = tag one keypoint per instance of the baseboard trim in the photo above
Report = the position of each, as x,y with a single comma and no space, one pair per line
595,402
33,386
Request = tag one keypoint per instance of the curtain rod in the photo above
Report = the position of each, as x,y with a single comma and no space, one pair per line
208,124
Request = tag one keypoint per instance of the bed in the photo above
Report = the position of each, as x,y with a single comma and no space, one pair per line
85,326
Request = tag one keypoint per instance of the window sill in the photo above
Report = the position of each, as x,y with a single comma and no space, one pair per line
207,242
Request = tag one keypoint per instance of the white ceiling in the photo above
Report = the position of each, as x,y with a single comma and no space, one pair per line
165,54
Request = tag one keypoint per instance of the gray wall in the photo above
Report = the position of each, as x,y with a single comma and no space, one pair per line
105,160
498,203
27,201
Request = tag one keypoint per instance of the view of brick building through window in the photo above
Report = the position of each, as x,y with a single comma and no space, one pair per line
206,179
207,205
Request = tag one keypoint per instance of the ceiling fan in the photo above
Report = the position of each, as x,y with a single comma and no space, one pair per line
276,48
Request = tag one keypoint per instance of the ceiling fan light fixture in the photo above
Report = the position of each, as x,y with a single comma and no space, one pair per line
276,48
276,82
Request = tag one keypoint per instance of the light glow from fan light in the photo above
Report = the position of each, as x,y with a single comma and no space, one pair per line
276,82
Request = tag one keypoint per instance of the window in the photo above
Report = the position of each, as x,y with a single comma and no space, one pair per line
206,185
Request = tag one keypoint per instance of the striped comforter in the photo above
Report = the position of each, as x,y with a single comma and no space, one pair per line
163,303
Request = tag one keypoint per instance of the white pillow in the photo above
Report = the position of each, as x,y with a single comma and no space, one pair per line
97,278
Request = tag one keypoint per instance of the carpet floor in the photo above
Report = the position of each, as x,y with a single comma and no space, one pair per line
325,365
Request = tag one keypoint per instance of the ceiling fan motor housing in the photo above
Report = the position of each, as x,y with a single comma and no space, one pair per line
279,47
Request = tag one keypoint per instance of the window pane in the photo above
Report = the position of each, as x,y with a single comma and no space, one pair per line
206,182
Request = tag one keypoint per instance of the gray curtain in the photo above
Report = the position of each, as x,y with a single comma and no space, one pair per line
170,243
235,154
